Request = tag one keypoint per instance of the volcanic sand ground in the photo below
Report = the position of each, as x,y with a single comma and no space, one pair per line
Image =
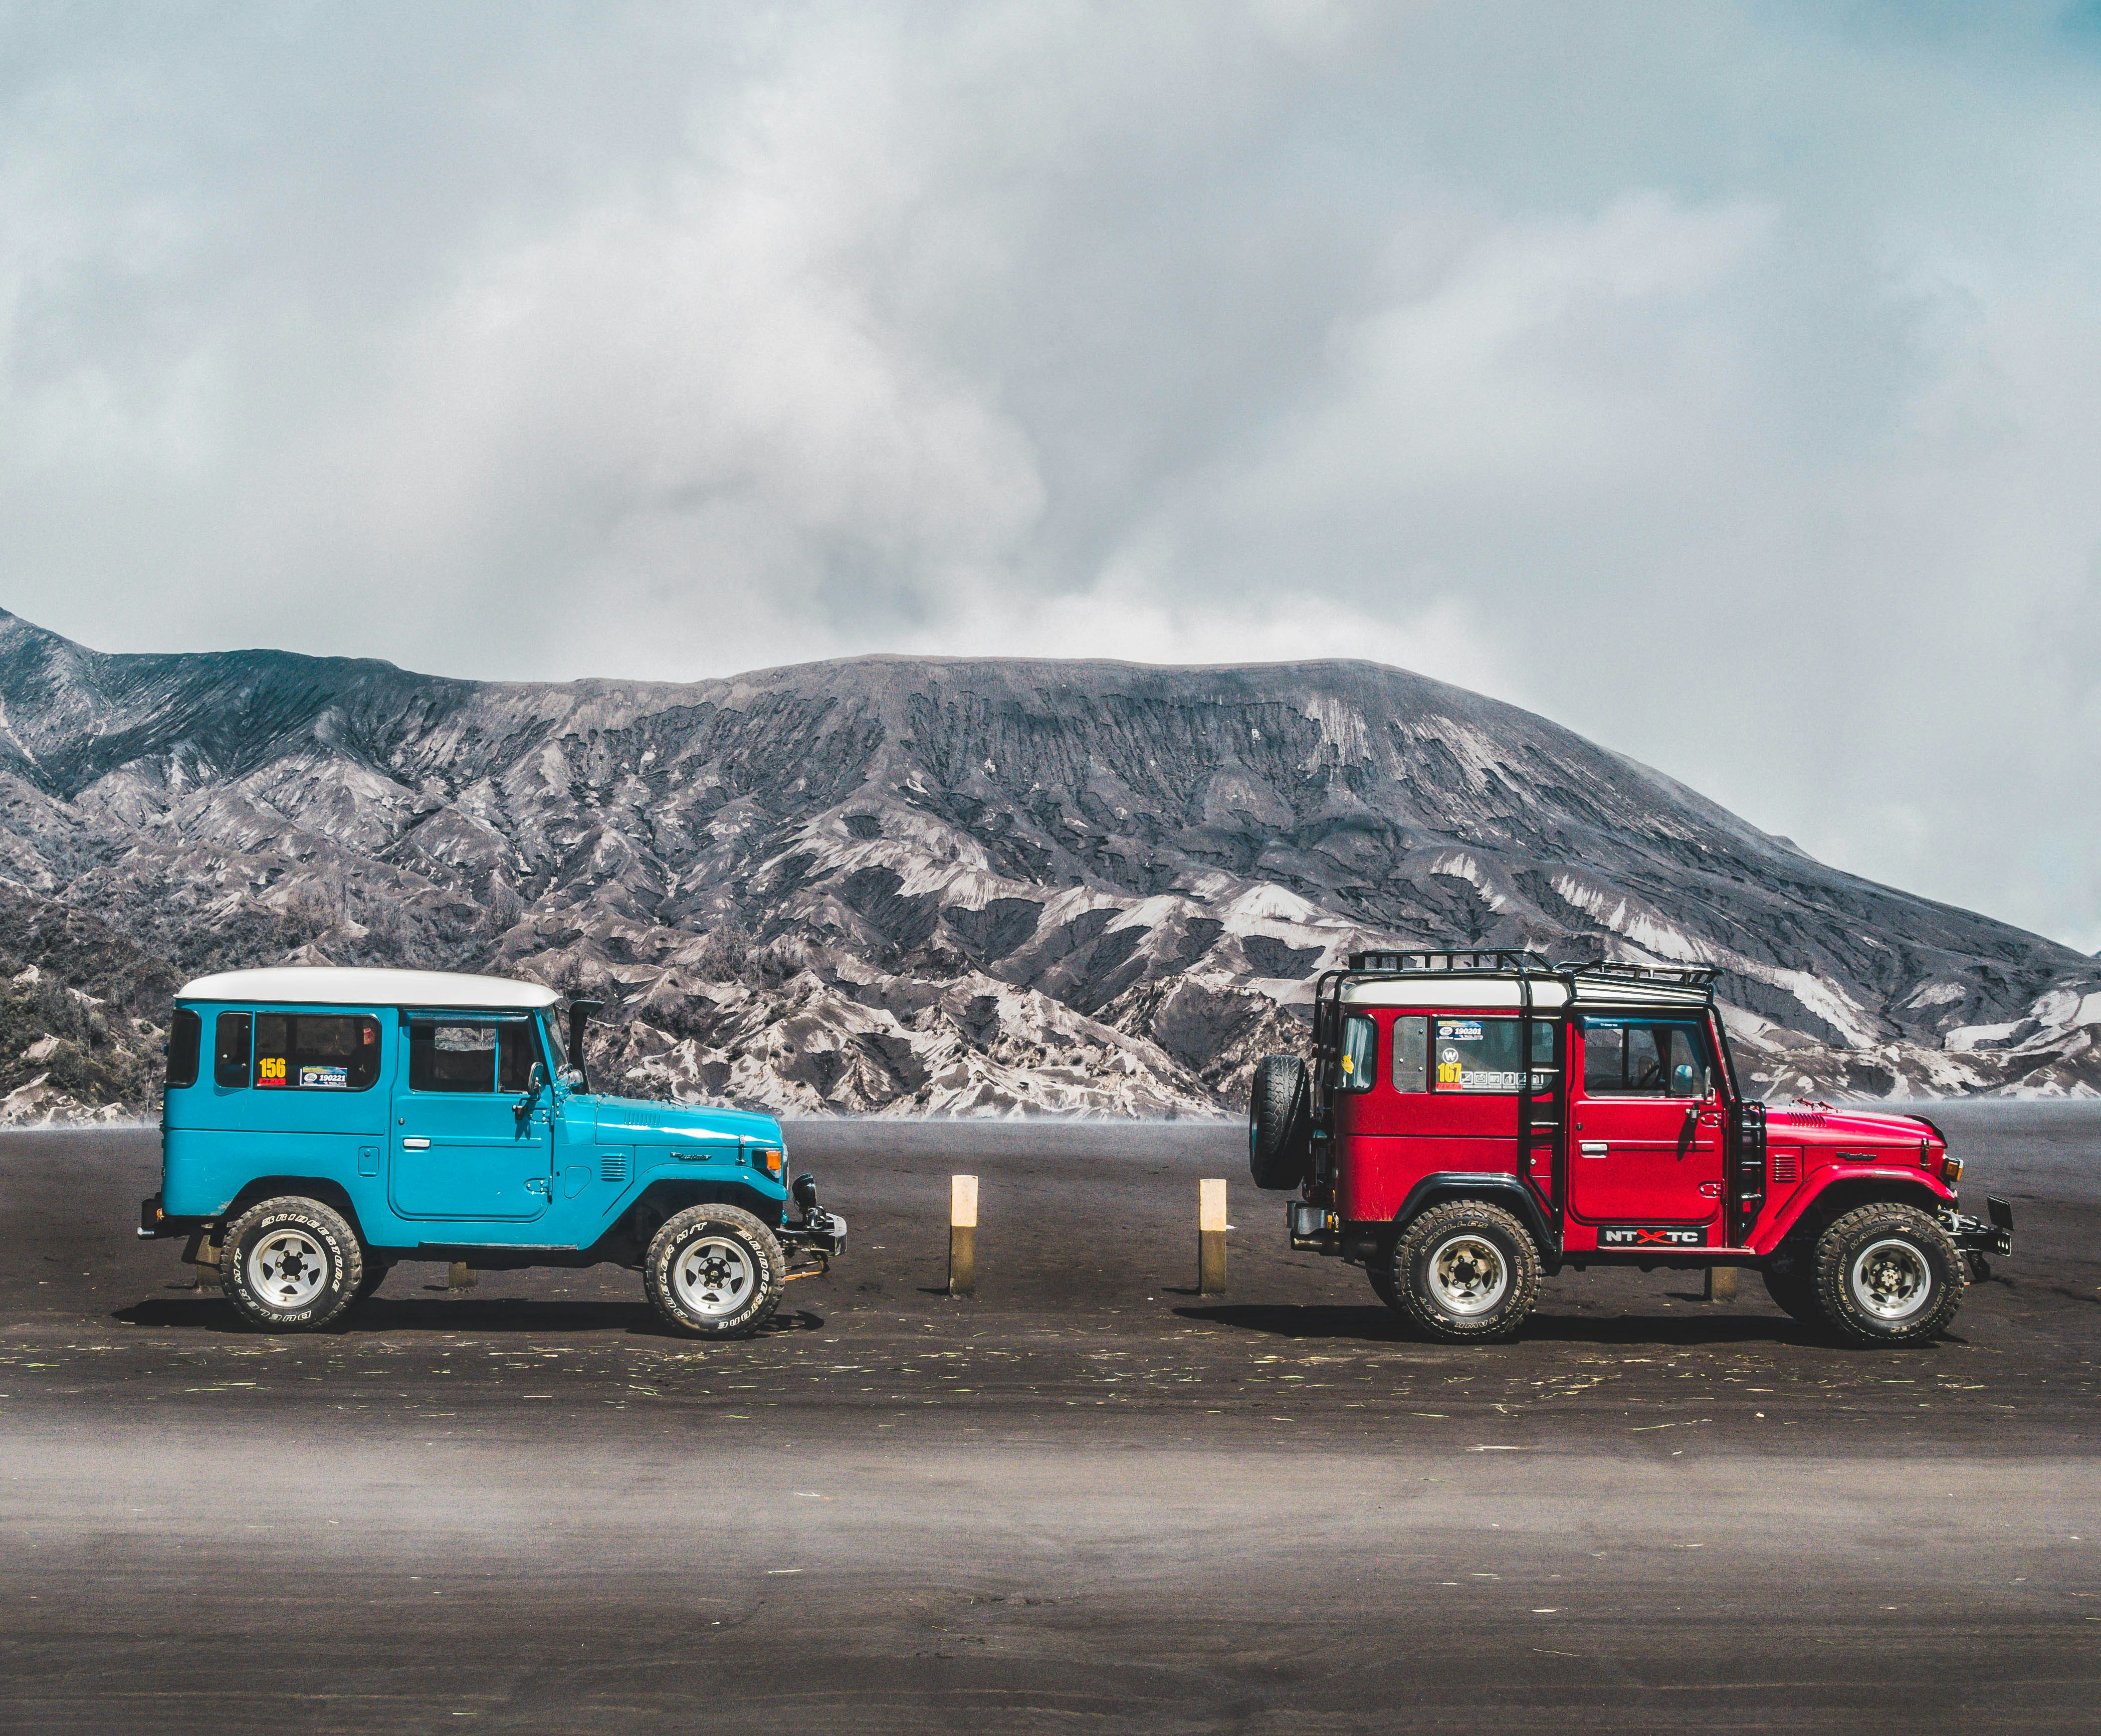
1088,1499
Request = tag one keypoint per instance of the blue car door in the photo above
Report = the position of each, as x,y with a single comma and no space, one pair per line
471,1145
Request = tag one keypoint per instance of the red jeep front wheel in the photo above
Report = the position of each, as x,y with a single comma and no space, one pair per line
1465,1272
1888,1274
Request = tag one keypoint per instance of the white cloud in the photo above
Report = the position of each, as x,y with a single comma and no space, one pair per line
1724,383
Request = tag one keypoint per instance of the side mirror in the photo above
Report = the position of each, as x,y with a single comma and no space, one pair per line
573,1080
1685,1080
536,1081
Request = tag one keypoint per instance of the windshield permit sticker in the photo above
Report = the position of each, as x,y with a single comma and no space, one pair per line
1459,1031
324,1078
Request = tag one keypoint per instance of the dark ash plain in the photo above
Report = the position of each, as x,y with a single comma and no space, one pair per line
1088,1499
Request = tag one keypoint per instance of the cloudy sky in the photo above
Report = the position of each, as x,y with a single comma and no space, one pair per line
1723,381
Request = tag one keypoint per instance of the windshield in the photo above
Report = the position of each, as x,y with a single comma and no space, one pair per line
550,1028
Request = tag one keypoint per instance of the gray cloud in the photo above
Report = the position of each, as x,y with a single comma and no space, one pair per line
1723,382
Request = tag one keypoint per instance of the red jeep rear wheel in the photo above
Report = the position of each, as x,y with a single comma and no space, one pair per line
1465,1272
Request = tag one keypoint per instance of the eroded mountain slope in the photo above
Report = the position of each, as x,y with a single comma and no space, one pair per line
935,884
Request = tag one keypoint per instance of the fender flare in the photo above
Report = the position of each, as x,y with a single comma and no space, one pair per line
1497,1187
1855,1187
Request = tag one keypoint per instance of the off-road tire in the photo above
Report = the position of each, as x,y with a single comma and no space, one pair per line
375,1274
715,1252
1379,1270
1913,1245
290,1264
1462,1244
1279,1122
1790,1279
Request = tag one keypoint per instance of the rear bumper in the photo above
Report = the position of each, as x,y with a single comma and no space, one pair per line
156,1226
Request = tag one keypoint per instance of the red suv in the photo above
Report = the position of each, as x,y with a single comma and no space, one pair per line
1417,1155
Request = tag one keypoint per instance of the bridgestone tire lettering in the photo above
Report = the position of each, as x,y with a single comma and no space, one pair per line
1901,1246
1279,1122
751,1293
1461,1224
294,1230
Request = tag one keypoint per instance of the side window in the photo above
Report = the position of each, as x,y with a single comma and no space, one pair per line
451,1055
515,1053
185,1040
1485,1054
1360,1053
1411,1053
1637,1057
315,1052
229,1049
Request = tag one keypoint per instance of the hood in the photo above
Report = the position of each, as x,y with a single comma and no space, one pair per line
1816,1124
631,1118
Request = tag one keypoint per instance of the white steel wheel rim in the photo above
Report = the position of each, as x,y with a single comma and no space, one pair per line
1468,1274
288,1269
1890,1279
715,1275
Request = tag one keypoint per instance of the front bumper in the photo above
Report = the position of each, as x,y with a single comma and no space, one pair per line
820,1233
1976,1237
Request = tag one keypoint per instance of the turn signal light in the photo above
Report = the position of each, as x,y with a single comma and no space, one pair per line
771,1159
1951,1168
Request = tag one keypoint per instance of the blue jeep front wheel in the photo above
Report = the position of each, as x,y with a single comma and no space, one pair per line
715,1271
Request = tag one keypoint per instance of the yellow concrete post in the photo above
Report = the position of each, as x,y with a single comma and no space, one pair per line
460,1277
1211,1228
963,1235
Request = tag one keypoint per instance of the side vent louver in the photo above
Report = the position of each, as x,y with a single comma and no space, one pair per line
613,1167
1786,1165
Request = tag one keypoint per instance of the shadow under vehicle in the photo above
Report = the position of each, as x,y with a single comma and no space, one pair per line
1416,1153
320,1124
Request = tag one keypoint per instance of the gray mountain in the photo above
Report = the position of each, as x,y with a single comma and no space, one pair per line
928,884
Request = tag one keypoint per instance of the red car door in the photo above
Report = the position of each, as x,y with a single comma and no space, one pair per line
1646,1143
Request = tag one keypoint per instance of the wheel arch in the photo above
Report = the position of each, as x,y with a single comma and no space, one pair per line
1495,1188
1810,1217
332,1194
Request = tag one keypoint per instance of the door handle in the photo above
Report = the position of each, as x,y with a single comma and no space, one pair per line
415,1145
1594,1147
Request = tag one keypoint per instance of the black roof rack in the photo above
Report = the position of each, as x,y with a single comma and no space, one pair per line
1478,960
1683,976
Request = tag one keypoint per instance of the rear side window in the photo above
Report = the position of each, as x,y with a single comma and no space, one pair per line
467,1055
315,1052
1360,1053
1411,1053
185,1041
229,1049
1484,1055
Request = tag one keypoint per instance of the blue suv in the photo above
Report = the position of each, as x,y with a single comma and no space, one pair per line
321,1124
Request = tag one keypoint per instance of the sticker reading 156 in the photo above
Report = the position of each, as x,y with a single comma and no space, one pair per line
270,1070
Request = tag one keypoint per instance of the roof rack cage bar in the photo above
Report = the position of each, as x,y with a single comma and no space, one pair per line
1479,959
1692,976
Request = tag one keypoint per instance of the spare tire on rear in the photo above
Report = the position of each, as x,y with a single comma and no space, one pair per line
1279,1121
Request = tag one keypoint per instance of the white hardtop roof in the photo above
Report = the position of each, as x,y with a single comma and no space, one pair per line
1437,988
350,986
